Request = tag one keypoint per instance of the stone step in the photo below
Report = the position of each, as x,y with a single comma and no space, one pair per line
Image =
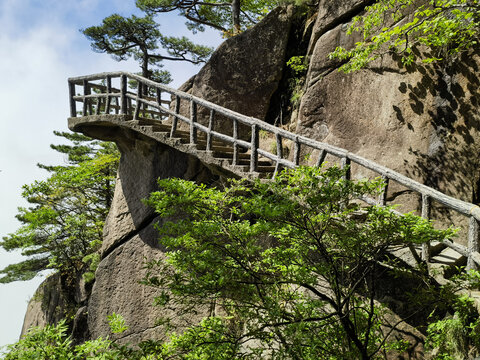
243,158
216,148
445,264
266,169
202,143
229,154
158,126
220,149
246,161
436,248
447,257
183,138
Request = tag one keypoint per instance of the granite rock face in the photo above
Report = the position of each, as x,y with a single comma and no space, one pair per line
48,305
142,162
244,71
118,290
333,13
418,121
130,239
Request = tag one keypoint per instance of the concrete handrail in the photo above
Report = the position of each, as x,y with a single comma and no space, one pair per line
124,105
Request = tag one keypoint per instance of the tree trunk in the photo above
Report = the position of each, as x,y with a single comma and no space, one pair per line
145,72
236,16
145,63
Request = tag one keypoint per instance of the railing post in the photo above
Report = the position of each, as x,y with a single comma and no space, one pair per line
138,103
211,121
129,106
193,120
382,198
278,139
254,148
296,152
321,157
345,164
86,102
426,210
98,106
109,98
175,119
123,95
117,105
473,245
235,146
159,101
73,103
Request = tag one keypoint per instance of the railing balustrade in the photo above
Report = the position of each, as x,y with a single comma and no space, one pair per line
106,99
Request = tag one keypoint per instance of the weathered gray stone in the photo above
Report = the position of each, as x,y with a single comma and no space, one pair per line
245,70
80,332
48,305
356,111
418,121
118,290
129,237
143,161
332,13
34,316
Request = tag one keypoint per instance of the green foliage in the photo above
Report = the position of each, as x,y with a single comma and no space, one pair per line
228,18
444,27
117,323
140,38
52,343
298,64
208,340
293,263
92,260
299,68
296,88
65,220
457,336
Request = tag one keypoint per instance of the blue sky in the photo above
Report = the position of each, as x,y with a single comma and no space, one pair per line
40,47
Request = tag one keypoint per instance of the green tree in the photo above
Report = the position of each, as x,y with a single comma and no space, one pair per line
444,28
53,343
140,38
65,220
457,335
227,17
294,264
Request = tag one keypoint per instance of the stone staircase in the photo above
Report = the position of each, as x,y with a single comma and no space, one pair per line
227,148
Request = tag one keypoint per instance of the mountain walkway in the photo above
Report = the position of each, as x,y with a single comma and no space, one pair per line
126,100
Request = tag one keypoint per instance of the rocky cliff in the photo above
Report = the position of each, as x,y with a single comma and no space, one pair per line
419,121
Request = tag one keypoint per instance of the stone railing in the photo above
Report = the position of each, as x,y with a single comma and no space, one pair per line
148,99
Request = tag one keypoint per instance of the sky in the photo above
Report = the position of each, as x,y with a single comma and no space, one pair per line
40,47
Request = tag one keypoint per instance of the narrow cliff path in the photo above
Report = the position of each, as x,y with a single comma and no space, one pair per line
235,145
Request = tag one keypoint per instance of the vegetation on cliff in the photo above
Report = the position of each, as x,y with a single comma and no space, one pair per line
295,265
64,223
444,28
291,269
141,39
229,18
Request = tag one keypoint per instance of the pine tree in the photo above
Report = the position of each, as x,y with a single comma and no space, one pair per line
141,39
64,221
